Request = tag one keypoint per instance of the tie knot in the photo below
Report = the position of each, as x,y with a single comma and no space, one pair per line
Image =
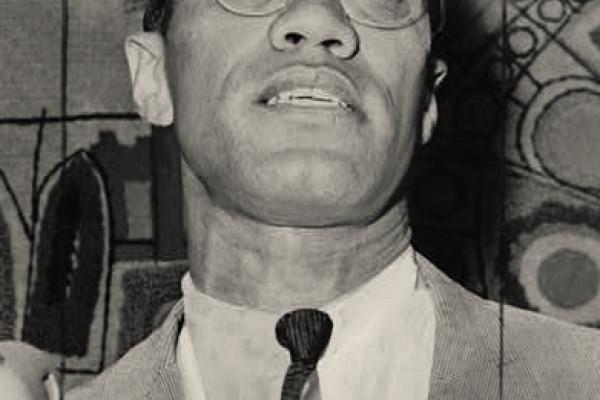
305,333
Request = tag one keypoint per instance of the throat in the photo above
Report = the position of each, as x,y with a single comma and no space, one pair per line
276,269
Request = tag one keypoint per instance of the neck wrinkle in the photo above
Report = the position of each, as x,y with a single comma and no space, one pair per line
275,269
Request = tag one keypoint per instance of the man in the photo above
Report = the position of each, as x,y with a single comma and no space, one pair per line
297,122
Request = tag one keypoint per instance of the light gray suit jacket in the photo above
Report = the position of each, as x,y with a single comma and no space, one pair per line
477,355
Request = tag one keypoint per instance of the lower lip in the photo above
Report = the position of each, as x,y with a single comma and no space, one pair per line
306,108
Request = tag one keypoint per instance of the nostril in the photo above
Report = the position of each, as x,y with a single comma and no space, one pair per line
293,37
331,43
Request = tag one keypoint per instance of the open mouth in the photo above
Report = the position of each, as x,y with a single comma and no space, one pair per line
303,87
307,97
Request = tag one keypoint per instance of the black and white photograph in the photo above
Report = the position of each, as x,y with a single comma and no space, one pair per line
299,199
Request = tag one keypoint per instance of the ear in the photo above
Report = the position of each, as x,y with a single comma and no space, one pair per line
145,53
430,117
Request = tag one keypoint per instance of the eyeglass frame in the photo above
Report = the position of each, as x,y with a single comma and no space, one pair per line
158,13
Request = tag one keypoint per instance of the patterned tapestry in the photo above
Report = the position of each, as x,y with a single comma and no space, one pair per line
511,188
505,198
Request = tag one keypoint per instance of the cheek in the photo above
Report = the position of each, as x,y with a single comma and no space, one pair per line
196,53
397,62
206,47
194,70
209,43
397,59
401,80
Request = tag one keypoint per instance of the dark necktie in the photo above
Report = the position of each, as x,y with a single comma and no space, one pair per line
305,333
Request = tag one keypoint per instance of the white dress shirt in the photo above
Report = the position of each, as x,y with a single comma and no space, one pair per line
381,346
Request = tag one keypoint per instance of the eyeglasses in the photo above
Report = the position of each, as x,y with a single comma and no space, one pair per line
383,14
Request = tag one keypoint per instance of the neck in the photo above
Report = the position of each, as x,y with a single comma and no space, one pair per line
252,264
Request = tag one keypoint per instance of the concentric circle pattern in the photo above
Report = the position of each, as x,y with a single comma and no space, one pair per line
559,132
567,140
559,270
568,278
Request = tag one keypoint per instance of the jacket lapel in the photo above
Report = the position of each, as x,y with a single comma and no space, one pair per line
466,356
164,379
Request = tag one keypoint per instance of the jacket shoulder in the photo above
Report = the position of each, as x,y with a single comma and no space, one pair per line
554,353
122,380
529,354
133,376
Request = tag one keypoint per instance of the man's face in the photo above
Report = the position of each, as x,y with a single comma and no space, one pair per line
298,118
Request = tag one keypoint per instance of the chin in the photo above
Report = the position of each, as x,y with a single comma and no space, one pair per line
306,213
312,194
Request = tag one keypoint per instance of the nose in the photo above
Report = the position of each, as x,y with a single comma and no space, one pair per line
315,24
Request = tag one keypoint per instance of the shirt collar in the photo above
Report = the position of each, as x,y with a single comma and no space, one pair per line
241,330
353,314
385,333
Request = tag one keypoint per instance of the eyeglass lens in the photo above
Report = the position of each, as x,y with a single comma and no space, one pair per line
391,14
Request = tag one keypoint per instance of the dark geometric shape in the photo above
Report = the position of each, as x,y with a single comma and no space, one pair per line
569,278
458,256
71,253
121,164
441,195
445,194
7,291
169,235
145,291
478,111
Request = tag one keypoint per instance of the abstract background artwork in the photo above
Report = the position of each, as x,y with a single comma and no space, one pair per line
505,198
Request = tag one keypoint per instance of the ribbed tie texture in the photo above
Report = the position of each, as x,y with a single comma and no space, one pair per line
305,333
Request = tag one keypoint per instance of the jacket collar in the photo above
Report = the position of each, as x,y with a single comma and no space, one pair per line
466,357
463,347
162,372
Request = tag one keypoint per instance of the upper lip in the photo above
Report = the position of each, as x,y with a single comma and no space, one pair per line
327,83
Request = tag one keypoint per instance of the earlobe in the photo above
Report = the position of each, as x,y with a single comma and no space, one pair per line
430,119
145,54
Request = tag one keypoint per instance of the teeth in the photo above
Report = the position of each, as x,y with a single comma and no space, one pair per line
307,97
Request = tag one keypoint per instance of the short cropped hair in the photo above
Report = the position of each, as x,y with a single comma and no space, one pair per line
157,15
